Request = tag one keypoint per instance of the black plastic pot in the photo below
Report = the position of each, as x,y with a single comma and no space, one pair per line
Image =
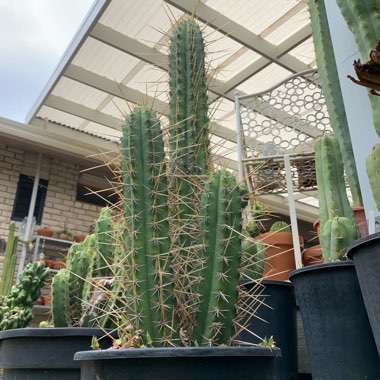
185,363
338,335
45,353
366,255
277,317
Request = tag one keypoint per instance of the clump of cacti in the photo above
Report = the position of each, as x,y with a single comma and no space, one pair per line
336,215
16,307
88,265
373,171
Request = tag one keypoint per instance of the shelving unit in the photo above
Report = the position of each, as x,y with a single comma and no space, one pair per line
47,248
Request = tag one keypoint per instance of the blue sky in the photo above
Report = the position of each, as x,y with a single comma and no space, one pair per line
33,37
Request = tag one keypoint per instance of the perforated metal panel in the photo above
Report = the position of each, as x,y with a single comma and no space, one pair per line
283,120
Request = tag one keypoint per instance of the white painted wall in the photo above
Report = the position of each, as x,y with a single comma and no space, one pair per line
357,104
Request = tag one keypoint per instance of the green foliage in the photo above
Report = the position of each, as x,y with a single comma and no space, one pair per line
253,259
16,307
104,243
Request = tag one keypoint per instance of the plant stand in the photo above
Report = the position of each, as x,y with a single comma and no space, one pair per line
185,363
277,317
45,353
366,255
338,335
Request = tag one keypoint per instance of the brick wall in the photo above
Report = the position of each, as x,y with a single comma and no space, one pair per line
61,208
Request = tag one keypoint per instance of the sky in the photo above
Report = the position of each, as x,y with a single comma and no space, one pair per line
34,34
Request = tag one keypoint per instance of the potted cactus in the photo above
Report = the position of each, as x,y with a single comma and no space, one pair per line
175,294
48,352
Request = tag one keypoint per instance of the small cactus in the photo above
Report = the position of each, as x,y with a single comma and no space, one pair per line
280,226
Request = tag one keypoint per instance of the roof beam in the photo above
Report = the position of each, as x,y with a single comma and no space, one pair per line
137,49
238,33
127,93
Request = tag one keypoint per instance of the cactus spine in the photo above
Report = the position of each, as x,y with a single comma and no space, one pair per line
149,285
333,201
221,211
333,95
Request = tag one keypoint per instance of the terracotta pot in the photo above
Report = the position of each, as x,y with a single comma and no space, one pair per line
47,299
79,238
280,254
360,220
47,232
58,265
312,255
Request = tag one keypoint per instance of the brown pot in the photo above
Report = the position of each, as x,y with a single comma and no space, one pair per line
47,232
58,265
312,255
280,254
361,221
79,238
47,299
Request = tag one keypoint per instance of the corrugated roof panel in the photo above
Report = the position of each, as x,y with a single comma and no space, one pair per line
255,15
79,93
60,117
100,130
267,77
104,60
305,52
289,27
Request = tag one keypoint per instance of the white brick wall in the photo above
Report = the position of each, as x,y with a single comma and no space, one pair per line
61,208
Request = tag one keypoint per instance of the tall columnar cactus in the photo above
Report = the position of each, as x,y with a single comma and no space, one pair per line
10,258
104,243
188,131
333,201
332,92
221,211
16,307
363,19
149,285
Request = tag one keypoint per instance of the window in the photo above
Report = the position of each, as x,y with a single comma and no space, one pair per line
95,196
24,195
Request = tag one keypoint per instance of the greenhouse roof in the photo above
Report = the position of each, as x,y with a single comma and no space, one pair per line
118,59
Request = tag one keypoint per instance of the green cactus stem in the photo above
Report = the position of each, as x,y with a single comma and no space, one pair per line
10,258
60,299
221,211
338,233
332,195
280,226
373,172
188,132
150,283
328,73
104,243
253,257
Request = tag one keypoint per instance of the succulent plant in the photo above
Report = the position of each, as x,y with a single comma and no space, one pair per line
334,208
280,226
16,307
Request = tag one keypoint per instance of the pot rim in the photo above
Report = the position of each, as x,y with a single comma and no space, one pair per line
267,282
165,352
353,247
319,267
48,332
